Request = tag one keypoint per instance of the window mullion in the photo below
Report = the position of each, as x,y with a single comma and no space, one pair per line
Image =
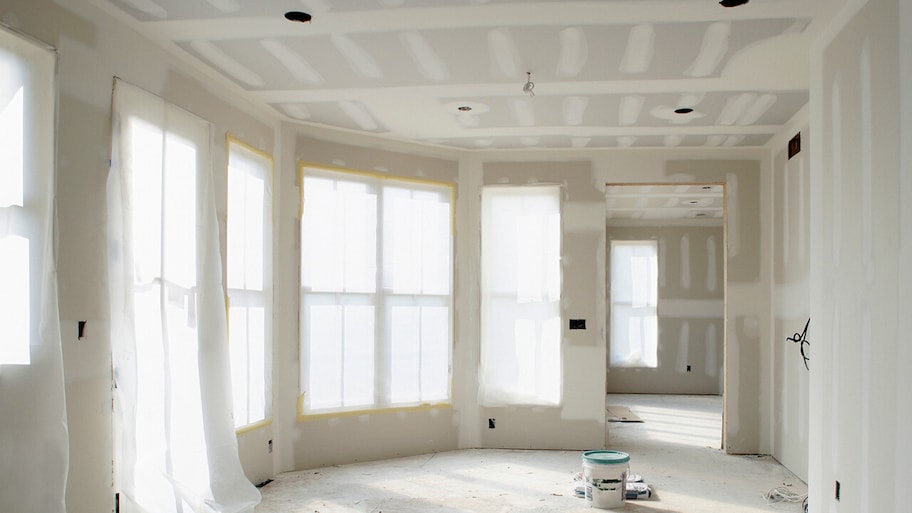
382,314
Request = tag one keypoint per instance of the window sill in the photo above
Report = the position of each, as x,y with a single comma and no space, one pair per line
252,427
328,414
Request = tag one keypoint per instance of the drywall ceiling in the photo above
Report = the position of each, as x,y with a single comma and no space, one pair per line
663,202
606,73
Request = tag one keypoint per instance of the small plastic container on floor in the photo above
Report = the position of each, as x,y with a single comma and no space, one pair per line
605,474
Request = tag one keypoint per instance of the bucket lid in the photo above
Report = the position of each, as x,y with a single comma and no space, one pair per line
605,457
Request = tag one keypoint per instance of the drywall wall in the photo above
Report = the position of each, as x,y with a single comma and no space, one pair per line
92,49
579,422
584,277
861,247
791,296
747,359
691,312
309,442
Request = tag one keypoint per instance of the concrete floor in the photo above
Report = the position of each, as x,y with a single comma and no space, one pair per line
676,450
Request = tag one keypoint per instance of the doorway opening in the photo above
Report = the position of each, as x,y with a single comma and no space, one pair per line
666,290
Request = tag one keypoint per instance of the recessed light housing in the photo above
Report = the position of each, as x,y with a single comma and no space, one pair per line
683,110
732,3
298,16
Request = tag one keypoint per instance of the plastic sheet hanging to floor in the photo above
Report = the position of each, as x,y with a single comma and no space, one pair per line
178,449
34,447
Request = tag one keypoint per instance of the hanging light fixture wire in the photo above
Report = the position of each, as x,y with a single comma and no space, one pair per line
529,85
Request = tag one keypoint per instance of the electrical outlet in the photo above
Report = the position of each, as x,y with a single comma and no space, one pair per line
577,324
794,145
270,447
490,423
838,490
688,368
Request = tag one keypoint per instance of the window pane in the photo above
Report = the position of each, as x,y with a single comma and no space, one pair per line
402,219
529,259
14,250
14,300
437,247
146,143
417,241
322,266
405,354
237,351
187,446
246,225
359,356
339,236
180,212
435,353
256,355
341,356
248,363
11,142
549,366
254,229
325,357
360,242
235,237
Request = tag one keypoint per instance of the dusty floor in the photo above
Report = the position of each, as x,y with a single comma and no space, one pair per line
676,450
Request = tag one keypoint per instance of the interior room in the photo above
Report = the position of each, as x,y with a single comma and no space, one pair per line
243,243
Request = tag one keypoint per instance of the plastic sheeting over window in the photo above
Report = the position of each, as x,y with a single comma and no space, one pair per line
34,452
521,360
177,450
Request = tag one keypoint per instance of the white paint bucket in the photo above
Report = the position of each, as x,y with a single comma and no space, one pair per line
605,474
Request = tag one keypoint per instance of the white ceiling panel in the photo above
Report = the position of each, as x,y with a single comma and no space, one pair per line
606,73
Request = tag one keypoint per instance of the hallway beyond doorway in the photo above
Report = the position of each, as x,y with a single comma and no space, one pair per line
689,420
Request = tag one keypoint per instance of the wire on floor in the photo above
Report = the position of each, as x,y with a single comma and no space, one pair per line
785,494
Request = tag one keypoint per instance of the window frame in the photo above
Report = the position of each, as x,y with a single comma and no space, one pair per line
384,299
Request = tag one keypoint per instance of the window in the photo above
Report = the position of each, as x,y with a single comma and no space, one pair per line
176,451
520,296
249,278
161,162
33,429
634,296
376,291
15,296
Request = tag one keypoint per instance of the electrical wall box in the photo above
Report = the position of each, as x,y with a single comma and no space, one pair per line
577,324
794,146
